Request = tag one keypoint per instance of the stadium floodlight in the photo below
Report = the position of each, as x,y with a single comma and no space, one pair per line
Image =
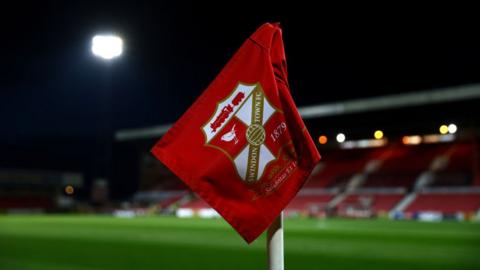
107,46
452,128
443,129
340,137
378,134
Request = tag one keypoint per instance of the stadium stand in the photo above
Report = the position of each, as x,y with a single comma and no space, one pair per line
402,165
36,191
310,202
452,178
360,182
339,166
446,201
377,203
459,169
448,166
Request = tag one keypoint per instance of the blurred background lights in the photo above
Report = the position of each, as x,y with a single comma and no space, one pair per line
323,139
107,46
452,128
415,139
340,137
378,134
443,129
69,190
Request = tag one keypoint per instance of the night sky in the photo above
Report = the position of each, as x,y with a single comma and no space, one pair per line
55,97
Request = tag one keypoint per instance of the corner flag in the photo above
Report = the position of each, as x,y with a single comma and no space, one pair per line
242,146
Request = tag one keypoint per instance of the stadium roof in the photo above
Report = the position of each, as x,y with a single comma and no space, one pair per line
358,106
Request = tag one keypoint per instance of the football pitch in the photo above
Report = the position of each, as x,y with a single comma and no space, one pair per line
101,242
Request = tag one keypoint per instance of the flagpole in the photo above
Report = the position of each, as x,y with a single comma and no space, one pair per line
275,244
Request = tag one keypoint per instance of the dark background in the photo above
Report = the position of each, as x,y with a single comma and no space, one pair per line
59,105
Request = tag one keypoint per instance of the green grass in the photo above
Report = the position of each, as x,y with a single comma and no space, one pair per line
93,242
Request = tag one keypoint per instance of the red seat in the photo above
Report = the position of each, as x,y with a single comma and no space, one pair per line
445,202
304,202
376,202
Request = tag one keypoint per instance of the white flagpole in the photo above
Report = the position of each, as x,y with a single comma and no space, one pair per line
275,244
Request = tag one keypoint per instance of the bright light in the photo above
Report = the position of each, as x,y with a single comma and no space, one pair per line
378,134
69,190
340,137
363,144
452,128
412,139
443,129
435,138
107,46
322,139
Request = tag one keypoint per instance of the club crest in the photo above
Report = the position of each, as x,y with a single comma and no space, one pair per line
247,128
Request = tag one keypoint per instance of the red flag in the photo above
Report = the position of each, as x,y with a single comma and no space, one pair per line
242,146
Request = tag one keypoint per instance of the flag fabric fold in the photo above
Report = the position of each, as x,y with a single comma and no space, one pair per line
242,146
